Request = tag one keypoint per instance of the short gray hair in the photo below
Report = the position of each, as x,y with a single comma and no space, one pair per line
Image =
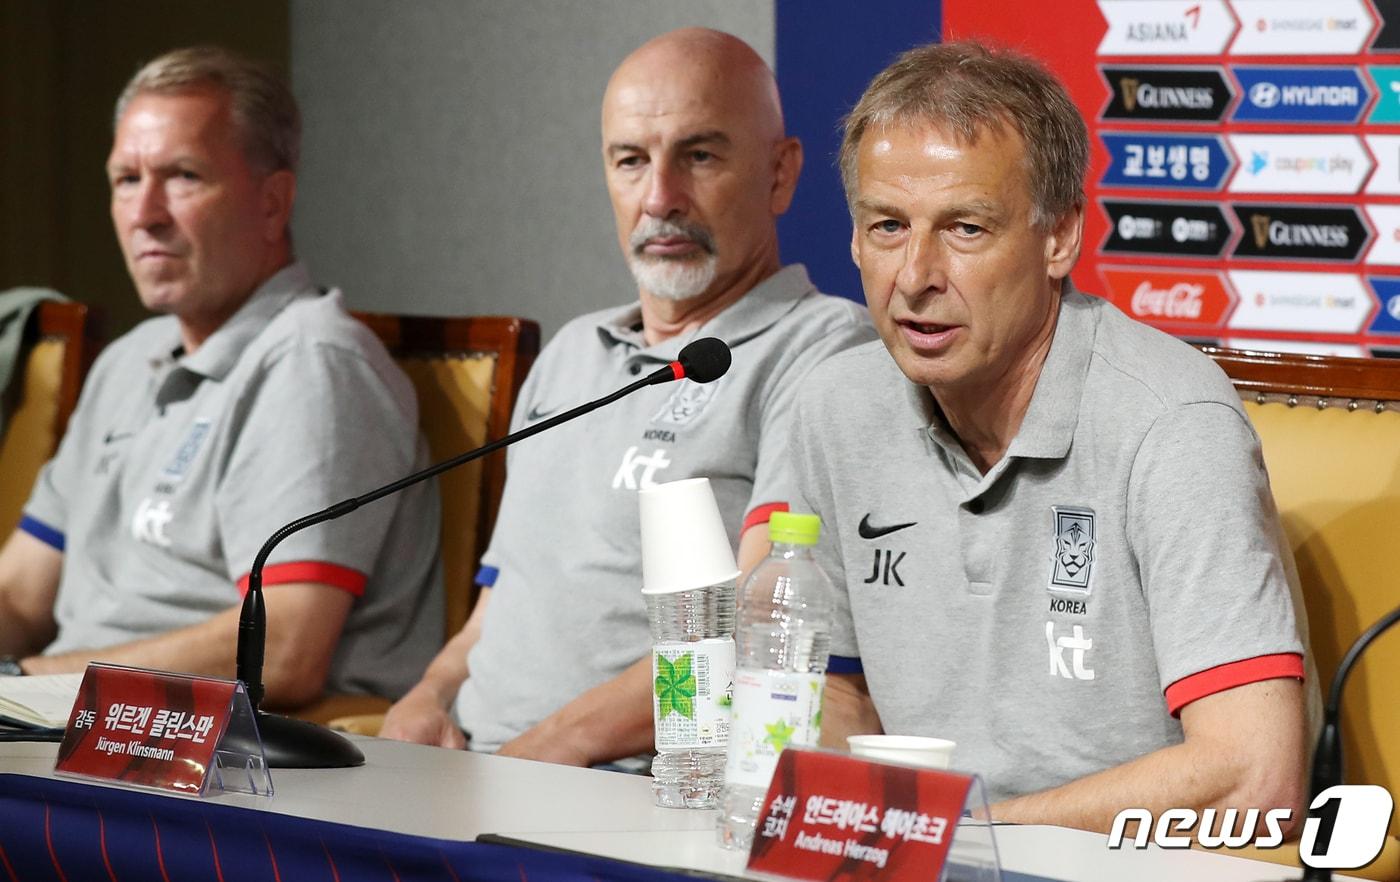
968,89
263,108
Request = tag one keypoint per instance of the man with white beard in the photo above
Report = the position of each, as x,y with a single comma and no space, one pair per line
554,663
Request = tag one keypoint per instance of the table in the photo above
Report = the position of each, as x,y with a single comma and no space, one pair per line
458,796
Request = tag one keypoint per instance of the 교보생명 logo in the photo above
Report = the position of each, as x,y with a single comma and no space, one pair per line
1346,827
1178,161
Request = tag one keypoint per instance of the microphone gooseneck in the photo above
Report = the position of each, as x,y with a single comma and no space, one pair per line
296,744
1327,758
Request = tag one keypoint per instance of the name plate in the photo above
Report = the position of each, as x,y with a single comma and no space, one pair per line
830,815
171,732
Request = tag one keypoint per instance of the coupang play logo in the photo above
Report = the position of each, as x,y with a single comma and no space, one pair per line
1345,828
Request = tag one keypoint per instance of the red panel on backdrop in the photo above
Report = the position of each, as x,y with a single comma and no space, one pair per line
1244,178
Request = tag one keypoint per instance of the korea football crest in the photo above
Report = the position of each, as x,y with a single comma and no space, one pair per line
686,403
1074,550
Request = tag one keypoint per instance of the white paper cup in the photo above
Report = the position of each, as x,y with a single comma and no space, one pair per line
684,545
913,750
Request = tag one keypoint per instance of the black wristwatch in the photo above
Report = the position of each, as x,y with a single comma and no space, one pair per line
9,666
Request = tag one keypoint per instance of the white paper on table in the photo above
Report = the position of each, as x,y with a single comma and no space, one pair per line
39,701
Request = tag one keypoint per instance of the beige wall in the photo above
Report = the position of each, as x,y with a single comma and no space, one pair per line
452,161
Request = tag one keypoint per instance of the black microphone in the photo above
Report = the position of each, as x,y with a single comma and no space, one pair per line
1327,758
296,744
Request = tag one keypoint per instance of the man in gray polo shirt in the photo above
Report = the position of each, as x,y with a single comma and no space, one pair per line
202,431
698,170
1049,526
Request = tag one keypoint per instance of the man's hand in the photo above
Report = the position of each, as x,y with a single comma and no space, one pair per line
29,573
537,744
420,718
304,621
847,709
1243,748
608,722
424,715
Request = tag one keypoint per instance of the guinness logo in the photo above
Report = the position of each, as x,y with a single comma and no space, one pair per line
1301,232
1194,94
1260,224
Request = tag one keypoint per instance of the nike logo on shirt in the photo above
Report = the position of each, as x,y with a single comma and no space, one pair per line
871,532
537,414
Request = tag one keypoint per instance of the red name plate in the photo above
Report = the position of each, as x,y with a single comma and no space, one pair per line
146,728
834,816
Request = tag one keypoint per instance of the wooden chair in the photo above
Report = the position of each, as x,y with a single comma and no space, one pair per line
467,372
1331,438
61,342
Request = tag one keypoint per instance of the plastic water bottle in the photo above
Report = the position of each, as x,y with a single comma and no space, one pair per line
782,639
692,671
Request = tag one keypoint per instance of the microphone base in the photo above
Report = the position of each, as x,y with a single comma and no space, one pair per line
296,744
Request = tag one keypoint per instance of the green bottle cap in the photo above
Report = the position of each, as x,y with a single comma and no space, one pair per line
794,529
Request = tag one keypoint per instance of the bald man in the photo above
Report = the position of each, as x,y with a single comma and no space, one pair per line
554,663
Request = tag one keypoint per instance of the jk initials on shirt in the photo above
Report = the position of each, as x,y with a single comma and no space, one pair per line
149,524
1078,644
891,567
626,476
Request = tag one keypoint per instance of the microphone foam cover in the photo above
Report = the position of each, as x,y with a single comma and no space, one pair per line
705,360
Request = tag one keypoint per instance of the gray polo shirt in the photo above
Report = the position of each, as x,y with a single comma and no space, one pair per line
1053,615
566,612
176,468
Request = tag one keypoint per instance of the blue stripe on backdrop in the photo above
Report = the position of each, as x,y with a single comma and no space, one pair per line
827,51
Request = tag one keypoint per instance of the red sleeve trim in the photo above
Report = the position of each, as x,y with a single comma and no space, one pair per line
761,515
1286,665
334,575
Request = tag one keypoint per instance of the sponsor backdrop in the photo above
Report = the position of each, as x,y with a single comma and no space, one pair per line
1245,173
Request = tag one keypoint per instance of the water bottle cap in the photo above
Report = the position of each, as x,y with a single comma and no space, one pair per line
794,529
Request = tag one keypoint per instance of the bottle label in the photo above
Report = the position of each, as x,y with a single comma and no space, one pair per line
692,689
772,710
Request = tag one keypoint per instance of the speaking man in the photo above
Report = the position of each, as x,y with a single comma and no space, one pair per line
202,431
698,170
1051,531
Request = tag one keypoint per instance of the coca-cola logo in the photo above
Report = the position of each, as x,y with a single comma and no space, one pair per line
1180,301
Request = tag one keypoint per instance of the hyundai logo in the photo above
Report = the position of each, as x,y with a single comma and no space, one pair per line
1264,95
